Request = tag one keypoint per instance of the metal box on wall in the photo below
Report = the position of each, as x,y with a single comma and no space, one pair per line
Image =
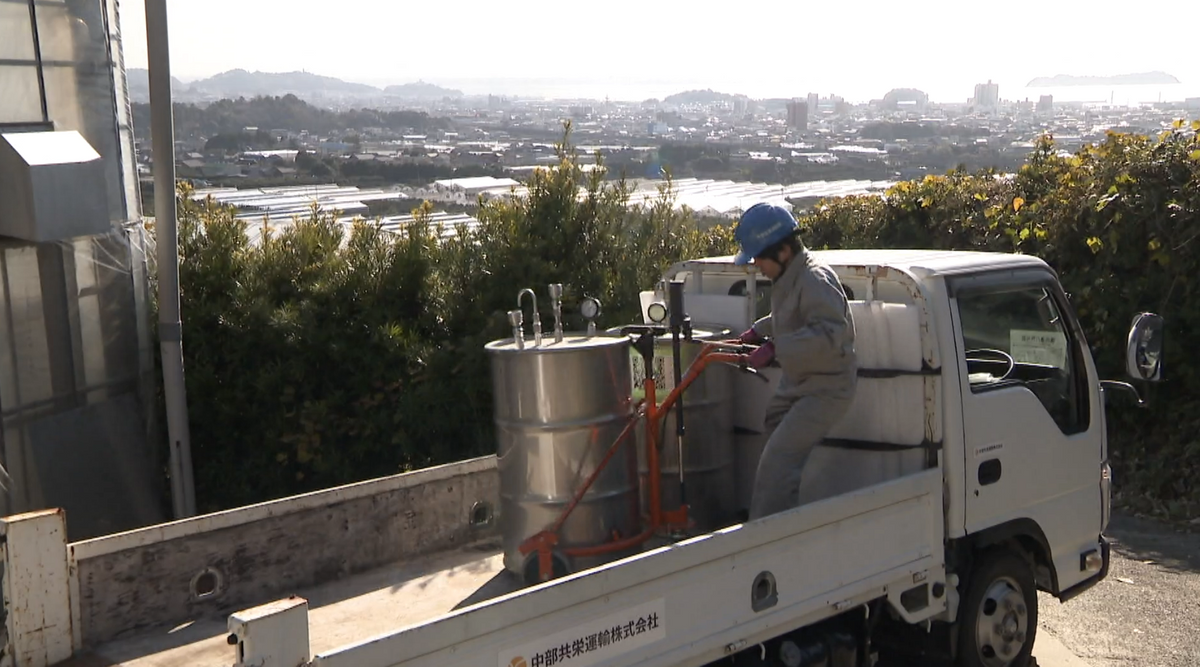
52,187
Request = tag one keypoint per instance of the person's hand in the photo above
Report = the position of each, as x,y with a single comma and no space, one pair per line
763,356
750,337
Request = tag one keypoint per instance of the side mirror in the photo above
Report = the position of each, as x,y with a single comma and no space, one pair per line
1143,353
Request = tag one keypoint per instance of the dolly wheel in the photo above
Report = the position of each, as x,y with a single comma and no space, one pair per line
560,567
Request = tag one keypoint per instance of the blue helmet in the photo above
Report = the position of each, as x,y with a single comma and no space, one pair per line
762,226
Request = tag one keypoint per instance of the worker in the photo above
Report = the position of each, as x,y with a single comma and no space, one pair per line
810,333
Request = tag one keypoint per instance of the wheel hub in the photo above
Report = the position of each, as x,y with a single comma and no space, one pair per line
1010,626
1003,623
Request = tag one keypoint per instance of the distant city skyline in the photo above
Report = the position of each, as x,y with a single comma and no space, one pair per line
629,50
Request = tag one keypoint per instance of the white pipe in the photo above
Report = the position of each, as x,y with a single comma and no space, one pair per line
170,333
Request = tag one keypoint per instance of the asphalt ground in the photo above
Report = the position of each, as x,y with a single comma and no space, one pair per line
1146,613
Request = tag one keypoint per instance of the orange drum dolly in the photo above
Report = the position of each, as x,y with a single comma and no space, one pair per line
553,562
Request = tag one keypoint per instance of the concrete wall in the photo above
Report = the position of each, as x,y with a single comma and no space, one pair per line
170,573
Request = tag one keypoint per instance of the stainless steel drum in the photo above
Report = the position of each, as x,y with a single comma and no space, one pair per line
558,408
709,466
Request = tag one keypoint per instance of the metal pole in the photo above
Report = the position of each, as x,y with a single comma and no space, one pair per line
675,295
170,330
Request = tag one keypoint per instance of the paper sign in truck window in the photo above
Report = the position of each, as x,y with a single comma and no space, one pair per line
1048,348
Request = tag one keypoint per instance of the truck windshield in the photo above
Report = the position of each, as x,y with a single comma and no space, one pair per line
1019,337
1025,324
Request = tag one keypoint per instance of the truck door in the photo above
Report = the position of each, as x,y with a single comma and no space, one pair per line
1033,442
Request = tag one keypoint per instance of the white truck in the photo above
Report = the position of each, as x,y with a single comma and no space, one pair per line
971,472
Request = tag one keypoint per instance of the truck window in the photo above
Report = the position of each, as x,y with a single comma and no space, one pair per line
1018,337
762,294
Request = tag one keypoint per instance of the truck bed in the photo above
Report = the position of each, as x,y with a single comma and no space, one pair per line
402,571
696,601
340,612
370,557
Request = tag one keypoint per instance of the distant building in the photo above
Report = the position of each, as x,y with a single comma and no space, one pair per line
797,115
814,102
273,155
465,191
1045,104
987,95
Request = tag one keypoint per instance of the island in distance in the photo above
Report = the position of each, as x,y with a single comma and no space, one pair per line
1142,79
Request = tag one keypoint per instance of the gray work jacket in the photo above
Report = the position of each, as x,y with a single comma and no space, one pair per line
813,331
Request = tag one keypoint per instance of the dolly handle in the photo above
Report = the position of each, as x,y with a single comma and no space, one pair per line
587,484
745,368
708,355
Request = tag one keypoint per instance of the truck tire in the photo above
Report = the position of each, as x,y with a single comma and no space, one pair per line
998,622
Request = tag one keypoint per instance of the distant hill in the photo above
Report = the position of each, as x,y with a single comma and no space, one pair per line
282,113
700,97
421,91
1141,79
305,85
239,82
138,81
895,96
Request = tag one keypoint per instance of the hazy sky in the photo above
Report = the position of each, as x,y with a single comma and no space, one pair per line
785,48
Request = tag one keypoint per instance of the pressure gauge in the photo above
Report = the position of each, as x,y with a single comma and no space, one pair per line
590,308
657,312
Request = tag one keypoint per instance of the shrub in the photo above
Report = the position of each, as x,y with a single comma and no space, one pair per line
317,357
1119,222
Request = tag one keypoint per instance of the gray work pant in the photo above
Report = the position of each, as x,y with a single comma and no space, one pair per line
797,427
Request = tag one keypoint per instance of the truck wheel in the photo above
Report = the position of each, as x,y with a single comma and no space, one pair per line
999,618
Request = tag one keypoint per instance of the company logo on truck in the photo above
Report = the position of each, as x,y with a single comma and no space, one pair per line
594,641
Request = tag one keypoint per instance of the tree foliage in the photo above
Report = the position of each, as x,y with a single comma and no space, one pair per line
317,357
1119,222
890,131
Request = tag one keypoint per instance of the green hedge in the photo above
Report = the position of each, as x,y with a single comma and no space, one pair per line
314,359
1119,221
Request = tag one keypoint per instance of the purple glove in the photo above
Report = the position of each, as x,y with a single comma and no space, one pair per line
763,356
750,337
